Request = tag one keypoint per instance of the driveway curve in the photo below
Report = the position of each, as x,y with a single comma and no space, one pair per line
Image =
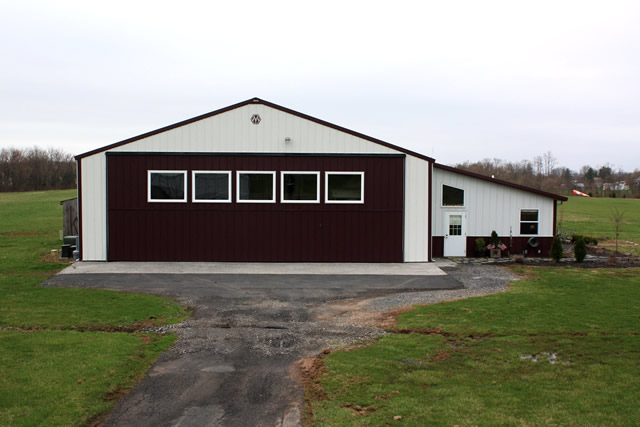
232,362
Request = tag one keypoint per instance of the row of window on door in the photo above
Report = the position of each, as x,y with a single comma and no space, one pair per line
170,186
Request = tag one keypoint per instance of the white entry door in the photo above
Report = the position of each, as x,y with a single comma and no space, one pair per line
455,237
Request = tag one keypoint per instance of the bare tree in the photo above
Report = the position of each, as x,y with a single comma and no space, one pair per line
549,163
616,218
36,169
538,165
541,173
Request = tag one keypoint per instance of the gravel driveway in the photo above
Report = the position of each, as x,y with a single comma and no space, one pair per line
232,362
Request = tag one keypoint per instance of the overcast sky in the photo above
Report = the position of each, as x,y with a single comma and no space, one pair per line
455,80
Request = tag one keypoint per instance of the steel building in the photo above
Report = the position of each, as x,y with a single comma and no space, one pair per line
259,182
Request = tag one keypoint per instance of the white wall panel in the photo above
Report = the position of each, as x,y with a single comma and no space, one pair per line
233,132
94,231
489,206
416,208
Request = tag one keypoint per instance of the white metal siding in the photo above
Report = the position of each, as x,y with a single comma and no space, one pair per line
93,197
233,132
416,210
489,206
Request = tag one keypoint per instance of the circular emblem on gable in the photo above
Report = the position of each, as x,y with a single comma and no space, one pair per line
255,119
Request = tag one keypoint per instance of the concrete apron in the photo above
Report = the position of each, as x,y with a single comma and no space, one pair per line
384,269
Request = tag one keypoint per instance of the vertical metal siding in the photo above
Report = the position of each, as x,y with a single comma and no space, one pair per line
416,227
369,232
489,206
93,200
232,132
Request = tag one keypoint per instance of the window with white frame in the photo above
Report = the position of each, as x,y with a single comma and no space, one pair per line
452,196
256,187
211,186
300,187
344,187
529,220
166,186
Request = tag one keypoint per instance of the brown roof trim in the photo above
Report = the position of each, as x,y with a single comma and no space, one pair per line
501,182
263,102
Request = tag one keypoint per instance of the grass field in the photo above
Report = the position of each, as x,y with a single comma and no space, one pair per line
560,348
592,217
50,373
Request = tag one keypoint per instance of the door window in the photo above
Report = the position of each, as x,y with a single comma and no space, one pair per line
455,225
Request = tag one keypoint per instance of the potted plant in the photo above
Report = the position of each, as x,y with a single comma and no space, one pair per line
495,245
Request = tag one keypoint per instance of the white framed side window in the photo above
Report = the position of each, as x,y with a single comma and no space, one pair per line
256,187
211,186
344,187
167,186
529,221
299,187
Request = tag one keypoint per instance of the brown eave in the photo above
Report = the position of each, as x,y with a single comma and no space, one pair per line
501,182
255,101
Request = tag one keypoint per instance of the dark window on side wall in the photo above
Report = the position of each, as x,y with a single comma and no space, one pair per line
211,186
256,187
344,187
300,187
167,186
529,221
452,196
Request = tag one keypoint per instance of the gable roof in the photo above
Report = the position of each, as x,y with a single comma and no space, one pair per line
501,182
251,102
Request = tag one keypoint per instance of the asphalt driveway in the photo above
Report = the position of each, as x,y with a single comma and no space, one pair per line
232,363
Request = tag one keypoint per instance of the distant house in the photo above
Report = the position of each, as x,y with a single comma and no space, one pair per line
256,181
622,186
598,182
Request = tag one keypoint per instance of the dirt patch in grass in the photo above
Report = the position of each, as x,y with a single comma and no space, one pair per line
114,394
358,410
97,420
54,258
389,320
21,233
441,355
135,327
430,331
308,372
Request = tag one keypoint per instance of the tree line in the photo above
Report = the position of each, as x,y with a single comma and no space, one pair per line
543,173
36,169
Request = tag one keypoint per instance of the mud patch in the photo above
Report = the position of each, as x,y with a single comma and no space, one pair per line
308,372
442,355
54,258
431,331
21,233
358,410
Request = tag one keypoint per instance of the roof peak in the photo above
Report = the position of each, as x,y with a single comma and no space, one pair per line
253,101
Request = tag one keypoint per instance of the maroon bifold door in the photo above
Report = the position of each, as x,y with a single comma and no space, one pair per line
268,208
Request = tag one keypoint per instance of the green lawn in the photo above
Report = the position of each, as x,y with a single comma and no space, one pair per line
50,373
471,362
592,217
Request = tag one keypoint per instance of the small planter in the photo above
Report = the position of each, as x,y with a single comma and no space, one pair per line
495,253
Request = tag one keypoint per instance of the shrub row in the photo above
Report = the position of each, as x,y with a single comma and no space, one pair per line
587,239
